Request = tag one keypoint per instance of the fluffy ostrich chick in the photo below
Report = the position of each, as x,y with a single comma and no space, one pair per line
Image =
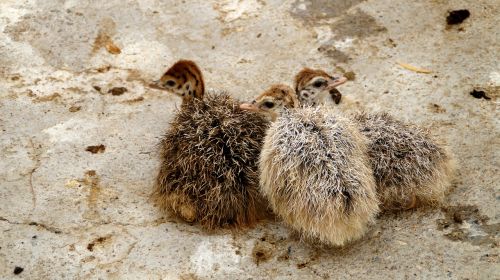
209,169
410,167
315,170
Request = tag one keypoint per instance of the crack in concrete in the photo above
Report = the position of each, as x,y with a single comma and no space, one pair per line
43,226
35,157
156,222
127,253
93,225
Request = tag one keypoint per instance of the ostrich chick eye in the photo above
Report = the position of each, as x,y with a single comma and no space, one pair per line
170,83
319,83
268,104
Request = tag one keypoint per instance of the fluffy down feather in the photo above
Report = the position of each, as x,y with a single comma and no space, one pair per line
316,175
210,157
407,162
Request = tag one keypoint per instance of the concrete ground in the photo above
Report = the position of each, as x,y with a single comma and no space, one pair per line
69,213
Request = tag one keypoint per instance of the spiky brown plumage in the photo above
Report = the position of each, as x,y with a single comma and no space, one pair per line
209,170
209,167
316,175
410,167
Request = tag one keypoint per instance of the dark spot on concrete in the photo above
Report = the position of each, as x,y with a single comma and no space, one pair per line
477,231
262,252
34,236
97,241
318,10
103,38
97,88
285,256
302,265
456,235
213,47
18,270
359,24
237,252
491,258
258,35
390,42
134,100
356,24
117,90
457,16
53,97
350,75
73,109
103,69
91,180
189,276
332,52
479,94
435,108
52,33
48,228
96,149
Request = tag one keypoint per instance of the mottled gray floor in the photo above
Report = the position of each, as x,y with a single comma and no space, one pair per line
67,213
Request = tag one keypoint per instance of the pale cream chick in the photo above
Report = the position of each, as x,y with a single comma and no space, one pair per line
314,169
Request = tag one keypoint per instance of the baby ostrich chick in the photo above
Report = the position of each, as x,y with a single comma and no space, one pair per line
209,169
312,83
409,166
314,169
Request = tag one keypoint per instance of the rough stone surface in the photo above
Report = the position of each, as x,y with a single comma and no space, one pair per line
68,213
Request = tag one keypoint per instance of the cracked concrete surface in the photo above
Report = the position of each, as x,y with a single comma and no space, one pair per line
68,213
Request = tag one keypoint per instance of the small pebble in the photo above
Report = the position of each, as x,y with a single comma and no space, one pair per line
117,90
18,270
457,16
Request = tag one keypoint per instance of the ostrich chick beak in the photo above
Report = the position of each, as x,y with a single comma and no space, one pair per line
156,85
336,82
249,107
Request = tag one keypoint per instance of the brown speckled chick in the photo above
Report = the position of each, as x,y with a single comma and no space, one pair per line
315,87
209,154
410,167
314,169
